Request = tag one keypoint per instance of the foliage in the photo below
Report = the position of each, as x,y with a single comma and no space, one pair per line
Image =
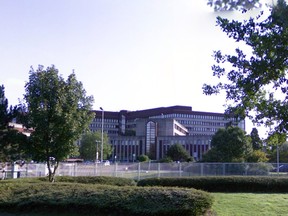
228,5
177,153
12,142
263,184
166,160
91,143
143,158
75,153
257,143
256,82
58,111
257,156
229,145
276,139
283,154
103,199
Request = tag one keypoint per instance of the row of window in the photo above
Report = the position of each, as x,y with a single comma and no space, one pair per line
110,132
165,142
178,115
183,122
203,129
187,122
179,129
93,125
105,120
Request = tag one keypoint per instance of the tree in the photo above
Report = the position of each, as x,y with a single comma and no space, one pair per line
12,143
275,142
58,111
228,5
257,156
257,143
283,154
256,79
229,144
177,153
89,143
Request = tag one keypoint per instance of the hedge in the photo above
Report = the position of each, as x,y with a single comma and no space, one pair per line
223,183
107,180
102,200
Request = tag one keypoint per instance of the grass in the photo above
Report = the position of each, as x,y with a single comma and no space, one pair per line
233,204
242,204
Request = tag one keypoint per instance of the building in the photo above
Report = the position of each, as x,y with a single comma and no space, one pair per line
153,131
20,128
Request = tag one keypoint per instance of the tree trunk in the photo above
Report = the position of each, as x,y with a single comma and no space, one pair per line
52,170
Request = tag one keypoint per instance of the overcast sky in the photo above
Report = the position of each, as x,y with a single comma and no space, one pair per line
129,54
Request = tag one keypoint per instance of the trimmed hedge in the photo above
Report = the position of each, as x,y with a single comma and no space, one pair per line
102,199
107,180
224,183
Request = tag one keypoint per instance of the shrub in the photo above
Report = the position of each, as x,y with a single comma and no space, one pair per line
143,158
107,180
103,199
223,183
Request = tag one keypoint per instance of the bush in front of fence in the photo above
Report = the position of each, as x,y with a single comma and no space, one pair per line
102,200
107,180
223,183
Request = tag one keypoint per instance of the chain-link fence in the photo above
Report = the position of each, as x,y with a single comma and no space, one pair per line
146,169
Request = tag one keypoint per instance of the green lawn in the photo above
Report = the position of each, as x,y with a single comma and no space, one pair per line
232,204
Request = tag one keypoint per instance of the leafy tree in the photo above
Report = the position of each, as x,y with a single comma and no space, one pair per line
228,5
276,139
283,154
12,142
177,153
257,156
255,79
229,144
75,153
257,143
58,111
89,143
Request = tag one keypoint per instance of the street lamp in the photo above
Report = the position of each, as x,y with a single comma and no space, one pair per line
277,159
97,154
102,134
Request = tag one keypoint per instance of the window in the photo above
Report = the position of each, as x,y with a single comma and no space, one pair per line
150,135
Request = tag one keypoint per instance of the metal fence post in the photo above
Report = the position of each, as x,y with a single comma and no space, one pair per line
26,170
74,171
201,169
139,171
115,169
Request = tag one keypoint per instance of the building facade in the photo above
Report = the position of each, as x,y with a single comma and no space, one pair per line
153,131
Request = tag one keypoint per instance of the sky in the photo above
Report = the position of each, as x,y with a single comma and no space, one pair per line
129,54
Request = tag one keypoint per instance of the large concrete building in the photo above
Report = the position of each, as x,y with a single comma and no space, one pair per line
153,131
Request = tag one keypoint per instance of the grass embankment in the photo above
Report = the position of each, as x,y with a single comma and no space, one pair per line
91,198
256,204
